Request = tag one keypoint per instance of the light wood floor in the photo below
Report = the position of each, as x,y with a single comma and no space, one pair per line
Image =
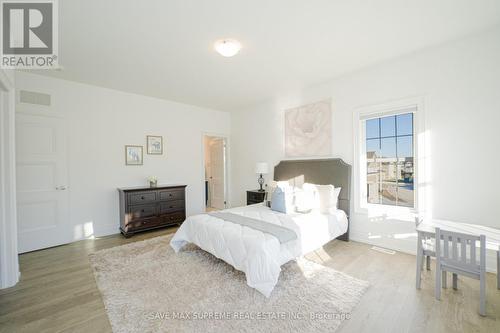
58,293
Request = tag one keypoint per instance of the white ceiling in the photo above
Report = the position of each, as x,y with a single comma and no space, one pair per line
164,48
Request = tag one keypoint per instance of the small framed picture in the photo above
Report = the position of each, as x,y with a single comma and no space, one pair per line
133,155
155,145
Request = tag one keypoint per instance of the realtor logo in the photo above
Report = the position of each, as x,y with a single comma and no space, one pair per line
29,34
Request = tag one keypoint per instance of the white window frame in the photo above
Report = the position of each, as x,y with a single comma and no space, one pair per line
361,205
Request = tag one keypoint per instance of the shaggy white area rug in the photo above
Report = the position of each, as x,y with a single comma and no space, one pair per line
146,287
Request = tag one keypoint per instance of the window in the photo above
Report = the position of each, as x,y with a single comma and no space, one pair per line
389,160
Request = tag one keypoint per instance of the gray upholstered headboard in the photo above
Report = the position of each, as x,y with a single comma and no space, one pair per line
322,171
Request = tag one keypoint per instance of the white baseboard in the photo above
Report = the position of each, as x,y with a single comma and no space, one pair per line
405,246
108,229
105,230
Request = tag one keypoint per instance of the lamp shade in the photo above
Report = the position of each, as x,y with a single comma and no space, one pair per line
261,168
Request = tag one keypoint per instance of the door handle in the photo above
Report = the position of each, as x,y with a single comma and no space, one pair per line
61,188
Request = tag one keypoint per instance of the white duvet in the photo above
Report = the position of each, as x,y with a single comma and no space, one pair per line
259,255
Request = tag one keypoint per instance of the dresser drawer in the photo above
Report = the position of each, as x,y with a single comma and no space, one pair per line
171,206
171,195
142,211
143,224
141,198
173,218
256,196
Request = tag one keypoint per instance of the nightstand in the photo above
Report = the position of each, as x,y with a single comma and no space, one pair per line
255,196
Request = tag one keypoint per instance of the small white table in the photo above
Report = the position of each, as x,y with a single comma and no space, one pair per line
428,228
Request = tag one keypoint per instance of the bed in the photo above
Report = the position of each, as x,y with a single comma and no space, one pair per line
260,254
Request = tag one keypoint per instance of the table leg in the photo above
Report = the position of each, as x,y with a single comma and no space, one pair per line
419,259
498,268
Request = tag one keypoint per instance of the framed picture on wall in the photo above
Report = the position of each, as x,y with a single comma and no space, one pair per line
133,155
308,130
155,145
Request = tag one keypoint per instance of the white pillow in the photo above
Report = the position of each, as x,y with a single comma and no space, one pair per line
336,193
312,195
304,200
284,184
325,197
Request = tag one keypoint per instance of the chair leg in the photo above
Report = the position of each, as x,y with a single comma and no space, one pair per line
437,291
428,263
498,269
482,294
444,280
455,281
419,260
419,269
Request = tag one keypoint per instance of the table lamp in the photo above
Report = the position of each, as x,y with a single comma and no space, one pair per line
261,168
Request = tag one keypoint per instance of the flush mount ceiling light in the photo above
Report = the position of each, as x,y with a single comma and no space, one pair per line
227,47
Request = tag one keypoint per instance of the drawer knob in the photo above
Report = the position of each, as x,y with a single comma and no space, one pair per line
142,197
170,194
142,210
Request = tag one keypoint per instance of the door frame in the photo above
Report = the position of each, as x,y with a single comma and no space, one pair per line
9,262
226,166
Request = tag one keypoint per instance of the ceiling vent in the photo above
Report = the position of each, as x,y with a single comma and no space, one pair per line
31,97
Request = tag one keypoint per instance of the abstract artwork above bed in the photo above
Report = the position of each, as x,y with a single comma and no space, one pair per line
308,130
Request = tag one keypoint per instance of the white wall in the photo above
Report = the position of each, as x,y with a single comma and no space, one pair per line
101,122
460,85
9,264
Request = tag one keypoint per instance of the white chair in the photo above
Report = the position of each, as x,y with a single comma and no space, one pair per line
451,256
425,250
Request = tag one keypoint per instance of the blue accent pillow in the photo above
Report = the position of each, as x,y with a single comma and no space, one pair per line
279,200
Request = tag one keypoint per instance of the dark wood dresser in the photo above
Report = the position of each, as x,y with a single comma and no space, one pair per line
255,196
145,208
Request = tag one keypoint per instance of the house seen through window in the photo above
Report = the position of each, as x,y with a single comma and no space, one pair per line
389,158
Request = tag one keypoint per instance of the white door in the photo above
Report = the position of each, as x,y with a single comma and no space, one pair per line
217,169
42,194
